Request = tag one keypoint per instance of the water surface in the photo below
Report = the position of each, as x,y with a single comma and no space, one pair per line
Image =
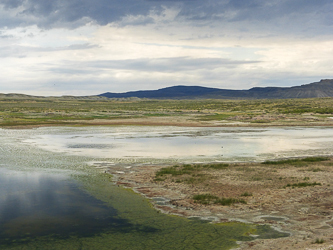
39,203
167,144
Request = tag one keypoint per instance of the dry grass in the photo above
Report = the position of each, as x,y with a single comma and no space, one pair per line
246,180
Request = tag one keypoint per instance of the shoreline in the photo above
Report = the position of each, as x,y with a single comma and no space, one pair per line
171,121
305,213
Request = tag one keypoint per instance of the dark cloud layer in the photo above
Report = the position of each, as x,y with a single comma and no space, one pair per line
55,13
73,13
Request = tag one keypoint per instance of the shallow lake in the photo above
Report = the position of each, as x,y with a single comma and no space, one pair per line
52,198
168,144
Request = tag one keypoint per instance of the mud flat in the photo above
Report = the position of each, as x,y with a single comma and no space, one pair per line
292,196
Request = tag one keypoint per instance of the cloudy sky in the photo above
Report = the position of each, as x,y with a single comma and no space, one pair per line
84,47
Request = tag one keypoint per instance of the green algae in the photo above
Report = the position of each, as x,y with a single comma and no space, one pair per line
145,227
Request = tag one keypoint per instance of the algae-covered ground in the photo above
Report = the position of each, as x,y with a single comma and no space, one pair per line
136,226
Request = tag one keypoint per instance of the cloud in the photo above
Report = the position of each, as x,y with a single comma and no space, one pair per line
168,65
147,73
75,13
23,51
120,45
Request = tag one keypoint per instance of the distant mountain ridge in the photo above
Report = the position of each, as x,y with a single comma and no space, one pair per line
324,88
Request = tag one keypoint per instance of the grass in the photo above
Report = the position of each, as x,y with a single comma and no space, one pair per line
187,173
212,199
204,198
177,170
216,166
260,121
229,201
246,194
316,170
303,184
20,109
319,241
296,161
159,179
217,117
156,114
188,169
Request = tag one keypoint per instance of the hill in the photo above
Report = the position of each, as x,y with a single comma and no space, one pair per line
324,88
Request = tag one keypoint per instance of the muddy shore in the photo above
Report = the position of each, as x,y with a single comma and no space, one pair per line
304,212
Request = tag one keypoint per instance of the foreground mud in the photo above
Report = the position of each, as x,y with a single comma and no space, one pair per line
305,212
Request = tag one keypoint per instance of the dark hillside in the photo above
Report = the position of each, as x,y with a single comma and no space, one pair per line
324,88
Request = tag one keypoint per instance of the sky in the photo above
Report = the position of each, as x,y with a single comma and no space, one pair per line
84,47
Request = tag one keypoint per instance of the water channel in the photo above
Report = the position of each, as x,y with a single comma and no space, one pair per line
52,198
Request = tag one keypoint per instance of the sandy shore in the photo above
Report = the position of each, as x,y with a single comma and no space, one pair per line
306,213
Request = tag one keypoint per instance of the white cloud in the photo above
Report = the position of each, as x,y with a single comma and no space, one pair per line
76,47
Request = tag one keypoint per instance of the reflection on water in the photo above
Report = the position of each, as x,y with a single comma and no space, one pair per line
194,144
37,204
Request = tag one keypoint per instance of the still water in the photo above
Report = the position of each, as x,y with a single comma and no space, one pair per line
167,144
34,204
51,198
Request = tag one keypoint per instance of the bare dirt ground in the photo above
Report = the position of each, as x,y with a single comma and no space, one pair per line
191,120
305,212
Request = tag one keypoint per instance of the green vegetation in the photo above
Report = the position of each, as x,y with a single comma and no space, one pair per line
239,179
315,159
188,169
229,201
319,241
212,199
204,198
303,184
188,173
25,110
260,121
296,161
177,170
315,170
245,194
217,117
